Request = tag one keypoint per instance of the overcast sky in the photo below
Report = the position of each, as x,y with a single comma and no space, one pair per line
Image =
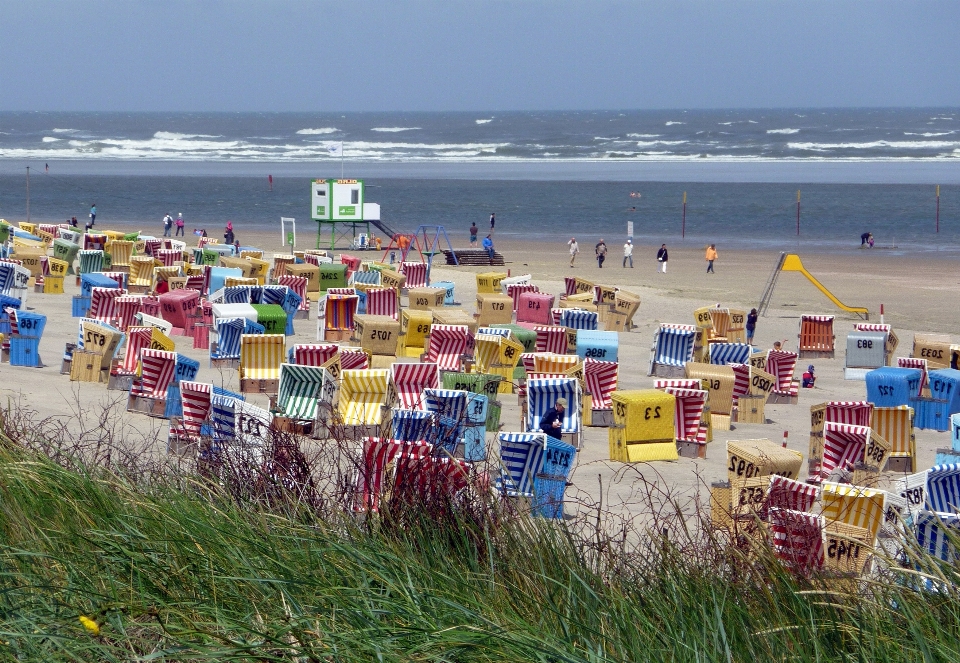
356,55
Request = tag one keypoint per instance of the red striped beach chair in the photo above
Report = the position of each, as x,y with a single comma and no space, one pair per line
678,383
785,493
426,479
570,285
411,379
312,354
446,345
138,338
196,398
299,285
689,413
797,539
353,359
600,378
781,364
383,301
377,455
741,380
915,362
103,304
127,307
416,273
843,445
551,339
514,290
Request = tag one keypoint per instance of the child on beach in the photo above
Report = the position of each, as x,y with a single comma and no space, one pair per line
751,324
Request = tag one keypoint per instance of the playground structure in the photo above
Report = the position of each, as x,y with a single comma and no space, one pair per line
790,262
425,240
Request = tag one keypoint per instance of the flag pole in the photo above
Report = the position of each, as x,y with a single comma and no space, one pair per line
683,223
341,159
938,208
798,212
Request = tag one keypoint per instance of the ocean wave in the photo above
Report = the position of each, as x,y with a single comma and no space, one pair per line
643,135
395,129
315,132
670,123
49,139
170,135
484,121
606,138
65,131
783,131
930,134
654,143
891,144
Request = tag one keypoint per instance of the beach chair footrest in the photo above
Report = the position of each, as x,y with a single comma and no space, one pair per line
667,371
688,449
152,407
120,383
900,464
255,386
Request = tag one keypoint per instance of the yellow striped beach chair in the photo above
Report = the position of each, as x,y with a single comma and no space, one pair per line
260,358
366,397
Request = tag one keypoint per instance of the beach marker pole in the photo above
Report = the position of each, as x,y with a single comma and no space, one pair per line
683,223
881,314
798,212
785,434
28,194
938,208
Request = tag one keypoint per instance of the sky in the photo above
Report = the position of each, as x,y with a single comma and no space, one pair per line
438,55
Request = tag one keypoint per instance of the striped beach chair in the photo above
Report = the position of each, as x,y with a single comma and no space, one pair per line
671,350
429,480
229,333
937,534
575,318
196,399
784,493
312,354
365,278
943,488
237,294
781,365
449,410
297,284
816,336
679,383
339,312
411,381
260,358
222,426
853,505
148,395
411,425
167,257
377,455
542,394
354,359
119,277
797,539
915,362
90,261
416,273
535,466
365,397
103,304
724,354
600,380
446,346
299,392
551,339
843,446
383,301
688,414
127,306
138,338
514,290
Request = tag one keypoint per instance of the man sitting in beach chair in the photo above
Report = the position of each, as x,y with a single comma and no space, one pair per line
551,422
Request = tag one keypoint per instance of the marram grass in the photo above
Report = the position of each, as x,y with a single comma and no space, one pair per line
95,568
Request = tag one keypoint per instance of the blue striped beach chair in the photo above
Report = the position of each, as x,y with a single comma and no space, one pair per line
542,394
535,466
672,349
229,332
299,390
574,318
366,278
943,488
238,294
934,532
449,410
729,353
411,425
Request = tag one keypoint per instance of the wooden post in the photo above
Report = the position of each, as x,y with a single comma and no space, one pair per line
683,223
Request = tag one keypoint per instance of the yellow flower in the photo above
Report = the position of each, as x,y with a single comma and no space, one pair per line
90,625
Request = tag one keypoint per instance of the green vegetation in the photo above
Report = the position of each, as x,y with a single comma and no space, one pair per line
186,572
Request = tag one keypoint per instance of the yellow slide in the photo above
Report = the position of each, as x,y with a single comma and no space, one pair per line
791,263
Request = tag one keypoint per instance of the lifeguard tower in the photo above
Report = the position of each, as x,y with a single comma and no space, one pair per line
338,206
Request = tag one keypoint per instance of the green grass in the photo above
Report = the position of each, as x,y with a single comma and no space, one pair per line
186,574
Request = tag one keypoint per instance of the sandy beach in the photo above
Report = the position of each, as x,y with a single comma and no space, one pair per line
913,290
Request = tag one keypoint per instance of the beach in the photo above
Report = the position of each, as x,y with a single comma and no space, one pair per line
915,292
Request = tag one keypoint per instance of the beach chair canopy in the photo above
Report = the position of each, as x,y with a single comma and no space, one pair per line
416,273
551,338
842,444
797,539
857,413
943,488
354,359
299,391
918,363
383,301
781,365
816,333
312,354
446,346
730,353
223,414
411,380
784,493
600,378
363,395
229,334
196,398
261,356
579,319
429,479
339,311
853,505
521,457
937,534
449,410
688,413
377,455
297,284
103,303
157,372
138,338
542,394
411,425
673,346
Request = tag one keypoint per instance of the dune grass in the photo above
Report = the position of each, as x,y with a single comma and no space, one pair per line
185,572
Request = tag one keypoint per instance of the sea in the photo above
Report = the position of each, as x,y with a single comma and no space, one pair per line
547,175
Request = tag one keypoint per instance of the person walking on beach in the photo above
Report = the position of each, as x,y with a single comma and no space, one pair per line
493,220
751,324
488,247
179,232
167,224
601,251
474,231
93,214
662,259
628,253
710,256
228,233
574,249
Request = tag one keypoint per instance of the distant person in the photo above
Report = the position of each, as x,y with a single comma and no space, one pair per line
710,256
167,224
662,257
601,250
551,422
228,236
488,247
628,253
74,222
574,249
377,241
93,214
751,324
809,379
180,224
865,239
474,231
493,220
870,241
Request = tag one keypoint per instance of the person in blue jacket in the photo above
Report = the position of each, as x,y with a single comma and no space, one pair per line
488,247
551,422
